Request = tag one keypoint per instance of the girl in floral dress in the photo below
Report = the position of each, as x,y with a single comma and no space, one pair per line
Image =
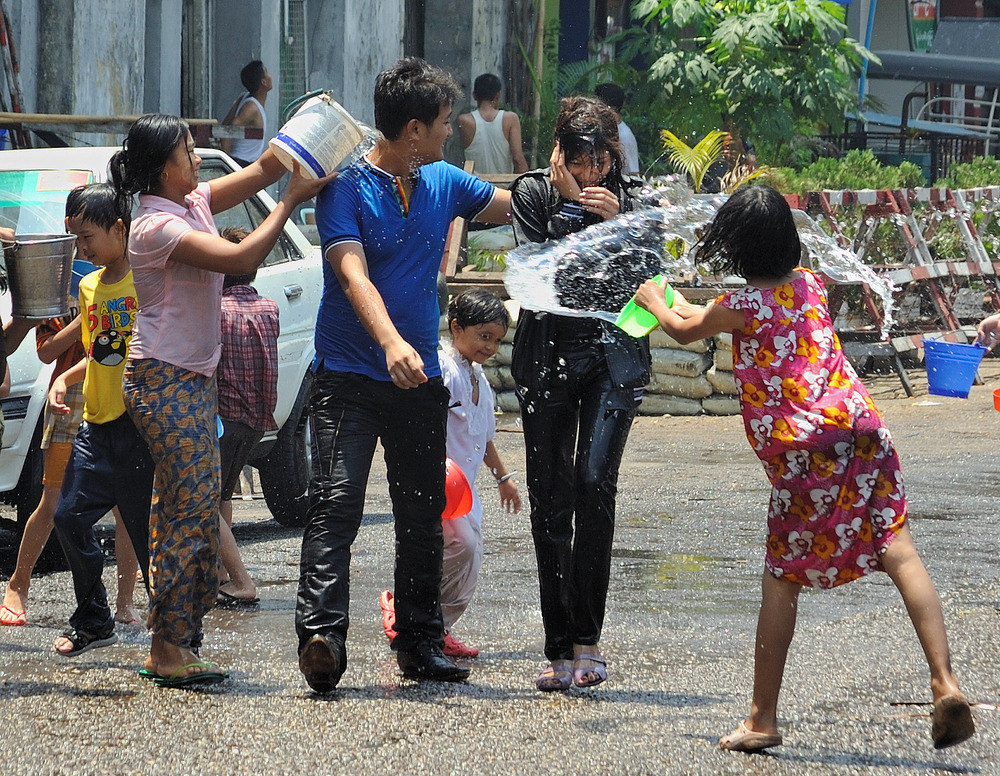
838,507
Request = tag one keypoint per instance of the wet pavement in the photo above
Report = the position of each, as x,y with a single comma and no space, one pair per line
678,636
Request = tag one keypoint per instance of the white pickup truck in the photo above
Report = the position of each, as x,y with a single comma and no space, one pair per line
33,188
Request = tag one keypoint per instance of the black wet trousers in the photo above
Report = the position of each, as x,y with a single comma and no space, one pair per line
350,413
110,466
574,434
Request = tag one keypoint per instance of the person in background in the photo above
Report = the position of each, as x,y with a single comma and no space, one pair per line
58,340
248,394
248,111
613,96
491,137
109,465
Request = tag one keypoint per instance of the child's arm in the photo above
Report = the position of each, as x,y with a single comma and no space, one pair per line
57,393
510,499
60,342
686,322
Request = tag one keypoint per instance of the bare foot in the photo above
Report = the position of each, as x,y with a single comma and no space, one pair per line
127,614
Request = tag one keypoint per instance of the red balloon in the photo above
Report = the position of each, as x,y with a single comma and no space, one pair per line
457,490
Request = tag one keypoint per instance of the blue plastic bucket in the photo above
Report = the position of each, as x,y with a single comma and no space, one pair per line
951,367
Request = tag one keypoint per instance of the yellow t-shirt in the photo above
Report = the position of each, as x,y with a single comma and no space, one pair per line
108,314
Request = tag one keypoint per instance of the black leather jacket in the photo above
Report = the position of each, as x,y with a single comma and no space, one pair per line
537,216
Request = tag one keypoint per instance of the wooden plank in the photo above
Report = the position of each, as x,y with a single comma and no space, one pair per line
12,119
456,247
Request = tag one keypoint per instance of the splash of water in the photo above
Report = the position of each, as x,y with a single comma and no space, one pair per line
596,271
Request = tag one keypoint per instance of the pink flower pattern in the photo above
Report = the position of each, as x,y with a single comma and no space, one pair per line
837,496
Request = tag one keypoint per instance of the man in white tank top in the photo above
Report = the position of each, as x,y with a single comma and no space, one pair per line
248,111
491,137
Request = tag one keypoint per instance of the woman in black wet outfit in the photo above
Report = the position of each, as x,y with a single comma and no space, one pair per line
579,383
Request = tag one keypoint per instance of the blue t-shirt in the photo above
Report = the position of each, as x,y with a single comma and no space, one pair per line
403,254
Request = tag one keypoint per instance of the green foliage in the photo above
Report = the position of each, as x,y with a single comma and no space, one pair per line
773,66
485,260
981,171
695,160
856,170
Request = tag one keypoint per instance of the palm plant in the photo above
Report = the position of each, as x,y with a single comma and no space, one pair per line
695,161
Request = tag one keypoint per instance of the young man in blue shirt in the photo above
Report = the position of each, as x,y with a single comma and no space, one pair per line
383,225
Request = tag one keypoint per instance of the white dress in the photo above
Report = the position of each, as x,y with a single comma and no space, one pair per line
470,427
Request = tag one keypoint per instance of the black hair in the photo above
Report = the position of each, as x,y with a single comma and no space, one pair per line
411,89
236,234
611,95
485,87
251,75
586,127
477,306
147,147
753,235
100,204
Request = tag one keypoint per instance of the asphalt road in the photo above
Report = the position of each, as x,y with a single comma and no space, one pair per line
679,631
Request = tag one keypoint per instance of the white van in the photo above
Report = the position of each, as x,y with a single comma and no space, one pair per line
33,188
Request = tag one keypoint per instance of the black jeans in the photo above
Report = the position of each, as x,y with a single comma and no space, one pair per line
110,466
350,413
574,434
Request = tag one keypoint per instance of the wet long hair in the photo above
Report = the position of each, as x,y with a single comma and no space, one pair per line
150,141
475,307
100,204
412,89
586,127
753,235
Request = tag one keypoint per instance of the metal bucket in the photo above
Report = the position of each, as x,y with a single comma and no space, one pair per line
40,273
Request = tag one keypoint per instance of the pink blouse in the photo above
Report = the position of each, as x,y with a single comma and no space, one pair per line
179,305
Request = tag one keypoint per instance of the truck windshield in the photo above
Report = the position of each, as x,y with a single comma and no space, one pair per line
34,201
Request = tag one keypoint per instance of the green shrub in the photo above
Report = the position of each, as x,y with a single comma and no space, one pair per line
855,170
981,171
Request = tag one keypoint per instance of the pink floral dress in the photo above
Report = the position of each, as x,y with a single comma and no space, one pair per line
837,499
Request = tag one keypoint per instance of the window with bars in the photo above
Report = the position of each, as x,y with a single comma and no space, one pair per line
293,52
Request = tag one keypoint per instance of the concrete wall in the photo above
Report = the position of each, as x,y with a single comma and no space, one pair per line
351,42
466,39
162,83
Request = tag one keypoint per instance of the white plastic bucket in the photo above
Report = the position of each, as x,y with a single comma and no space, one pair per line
321,137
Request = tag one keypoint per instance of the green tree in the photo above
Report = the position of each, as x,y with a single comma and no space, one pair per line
777,68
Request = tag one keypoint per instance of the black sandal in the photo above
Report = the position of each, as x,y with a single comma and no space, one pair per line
84,642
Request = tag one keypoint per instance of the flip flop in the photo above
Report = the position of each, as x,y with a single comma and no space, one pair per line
743,739
951,721
230,601
10,617
555,678
210,675
580,672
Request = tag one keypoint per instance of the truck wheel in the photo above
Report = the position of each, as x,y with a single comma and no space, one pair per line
284,474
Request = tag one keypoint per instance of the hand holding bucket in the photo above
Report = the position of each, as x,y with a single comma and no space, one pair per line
637,321
457,490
